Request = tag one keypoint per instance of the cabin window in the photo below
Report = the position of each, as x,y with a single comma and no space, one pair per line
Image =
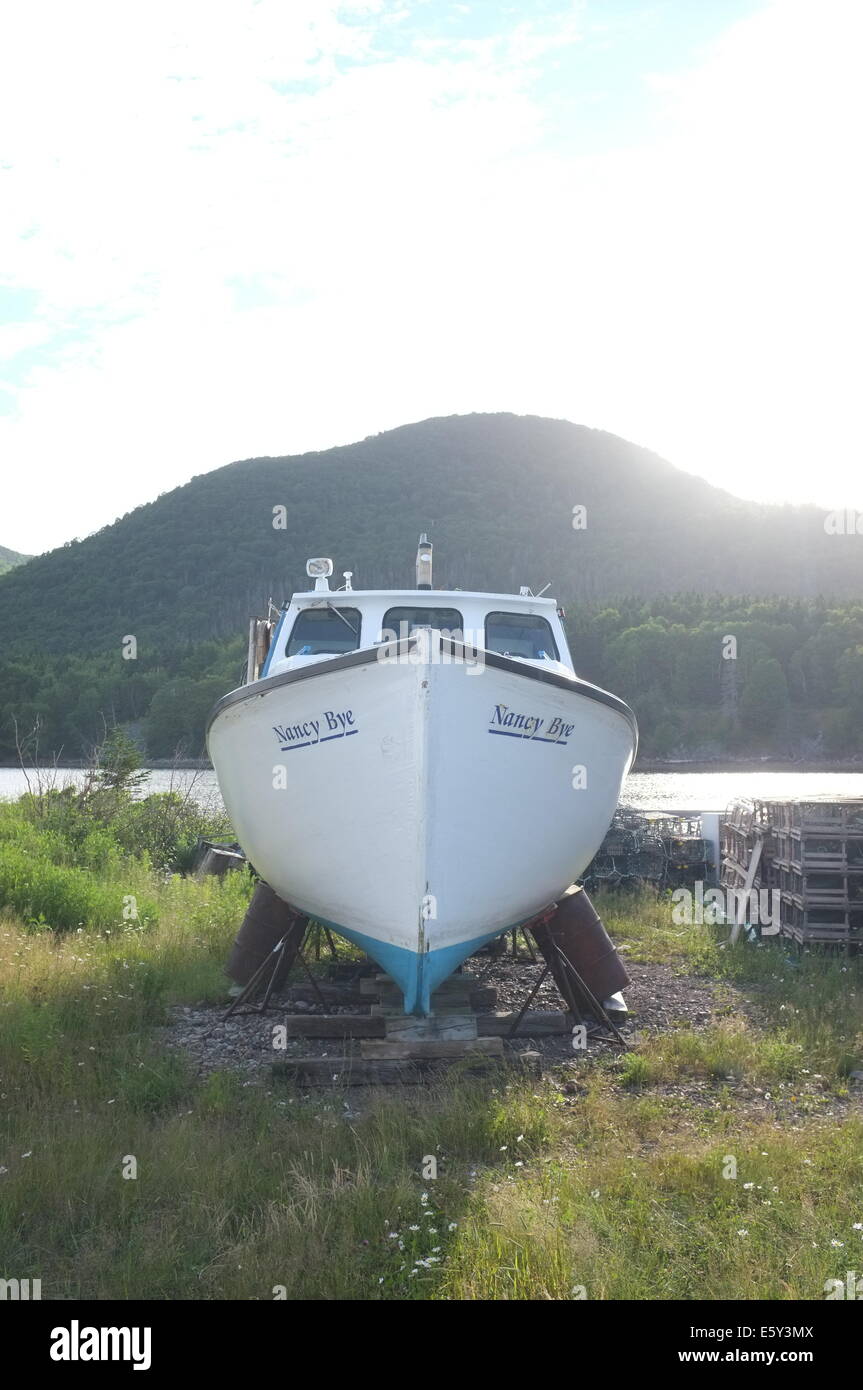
401,622
520,634
324,631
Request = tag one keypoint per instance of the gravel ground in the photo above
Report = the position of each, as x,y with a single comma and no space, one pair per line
658,1000
244,1042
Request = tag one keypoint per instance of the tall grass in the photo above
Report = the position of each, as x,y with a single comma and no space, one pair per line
463,1189
240,1190
668,1224
810,1002
63,865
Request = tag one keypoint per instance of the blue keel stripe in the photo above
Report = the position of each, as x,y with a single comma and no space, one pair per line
417,974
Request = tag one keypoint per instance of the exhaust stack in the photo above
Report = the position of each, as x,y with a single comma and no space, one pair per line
424,563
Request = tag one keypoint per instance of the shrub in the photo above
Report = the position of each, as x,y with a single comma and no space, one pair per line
60,897
165,827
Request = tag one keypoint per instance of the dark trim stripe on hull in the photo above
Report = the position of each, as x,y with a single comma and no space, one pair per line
573,684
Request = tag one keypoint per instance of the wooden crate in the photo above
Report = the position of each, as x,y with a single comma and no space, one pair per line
812,851
807,922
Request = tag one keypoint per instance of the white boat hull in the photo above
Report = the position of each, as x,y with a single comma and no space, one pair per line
420,805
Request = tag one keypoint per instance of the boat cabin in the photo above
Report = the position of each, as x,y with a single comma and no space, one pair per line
323,623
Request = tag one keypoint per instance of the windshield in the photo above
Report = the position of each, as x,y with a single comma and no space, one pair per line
324,631
401,622
520,634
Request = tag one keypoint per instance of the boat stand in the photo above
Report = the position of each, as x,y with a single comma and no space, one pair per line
384,1045
572,988
580,1000
278,963
582,995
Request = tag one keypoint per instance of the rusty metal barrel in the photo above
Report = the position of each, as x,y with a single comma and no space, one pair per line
267,919
578,930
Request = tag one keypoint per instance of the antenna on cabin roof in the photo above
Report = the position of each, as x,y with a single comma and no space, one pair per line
424,562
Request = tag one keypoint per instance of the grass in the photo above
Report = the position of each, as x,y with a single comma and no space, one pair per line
811,1002
655,1180
668,1224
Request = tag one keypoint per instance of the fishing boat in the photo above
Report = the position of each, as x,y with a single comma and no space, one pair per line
420,769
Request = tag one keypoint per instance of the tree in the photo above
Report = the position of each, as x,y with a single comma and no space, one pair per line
117,764
764,703
177,715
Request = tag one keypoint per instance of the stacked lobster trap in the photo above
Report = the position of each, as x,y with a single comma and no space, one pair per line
663,851
811,853
748,846
819,859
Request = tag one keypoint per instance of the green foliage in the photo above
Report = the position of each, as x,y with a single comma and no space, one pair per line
796,685
764,703
496,493
70,859
62,881
10,558
52,895
119,765
790,689
175,720
165,828
620,1191
70,698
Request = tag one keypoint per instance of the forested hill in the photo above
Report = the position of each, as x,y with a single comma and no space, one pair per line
495,493
10,558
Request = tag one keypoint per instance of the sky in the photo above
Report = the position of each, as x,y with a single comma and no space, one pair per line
231,228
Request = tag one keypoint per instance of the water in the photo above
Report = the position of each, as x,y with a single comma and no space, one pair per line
712,791
201,785
649,791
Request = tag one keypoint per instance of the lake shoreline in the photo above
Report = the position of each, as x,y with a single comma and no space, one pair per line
749,765
646,765
80,764
654,785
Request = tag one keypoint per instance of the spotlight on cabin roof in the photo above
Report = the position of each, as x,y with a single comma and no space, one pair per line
319,569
